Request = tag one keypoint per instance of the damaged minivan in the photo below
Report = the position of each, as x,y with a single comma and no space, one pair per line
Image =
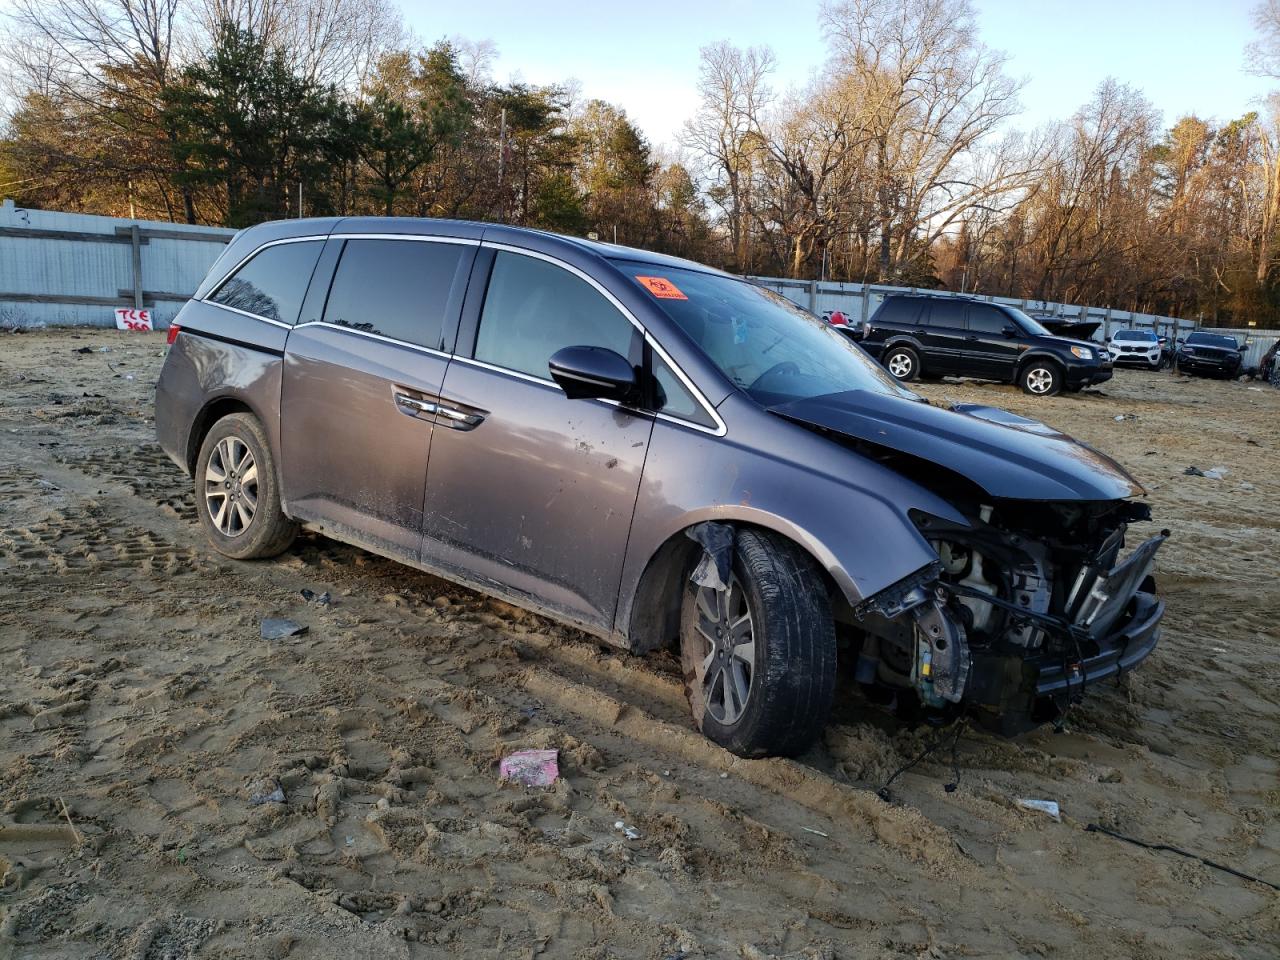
660,454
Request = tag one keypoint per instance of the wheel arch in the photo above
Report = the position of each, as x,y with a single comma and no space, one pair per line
213,411
653,619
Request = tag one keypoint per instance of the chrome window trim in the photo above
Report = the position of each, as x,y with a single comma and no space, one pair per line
251,316
552,385
720,428
375,336
463,241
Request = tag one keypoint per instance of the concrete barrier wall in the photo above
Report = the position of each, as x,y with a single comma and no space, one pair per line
68,269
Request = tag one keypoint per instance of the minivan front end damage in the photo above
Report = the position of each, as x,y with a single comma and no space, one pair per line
1025,608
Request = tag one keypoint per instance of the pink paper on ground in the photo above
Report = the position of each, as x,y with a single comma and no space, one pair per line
533,768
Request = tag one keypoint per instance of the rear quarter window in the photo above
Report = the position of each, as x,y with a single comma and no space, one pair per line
272,282
900,311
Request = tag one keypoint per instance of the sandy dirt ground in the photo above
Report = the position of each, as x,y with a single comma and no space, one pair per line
141,712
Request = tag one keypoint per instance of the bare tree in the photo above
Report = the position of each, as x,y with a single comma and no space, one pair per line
724,132
932,97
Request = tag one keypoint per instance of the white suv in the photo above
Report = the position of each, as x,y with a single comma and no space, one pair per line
1136,348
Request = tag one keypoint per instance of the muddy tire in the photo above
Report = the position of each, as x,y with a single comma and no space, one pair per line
902,362
238,491
1041,378
759,659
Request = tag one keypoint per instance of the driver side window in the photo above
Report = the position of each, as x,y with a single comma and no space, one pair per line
534,308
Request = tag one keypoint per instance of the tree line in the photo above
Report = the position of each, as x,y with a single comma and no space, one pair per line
898,163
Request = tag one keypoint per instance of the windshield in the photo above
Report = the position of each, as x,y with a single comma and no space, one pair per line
1213,340
761,341
1029,323
1134,335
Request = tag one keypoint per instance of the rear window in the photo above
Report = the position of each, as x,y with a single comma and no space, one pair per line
273,281
395,288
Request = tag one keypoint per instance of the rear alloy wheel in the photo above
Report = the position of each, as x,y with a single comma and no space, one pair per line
1040,378
903,363
759,655
237,493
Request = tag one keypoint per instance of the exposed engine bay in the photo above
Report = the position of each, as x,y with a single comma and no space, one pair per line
1025,607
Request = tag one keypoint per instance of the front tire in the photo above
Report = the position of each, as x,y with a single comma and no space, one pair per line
759,657
1041,378
238,491
903,363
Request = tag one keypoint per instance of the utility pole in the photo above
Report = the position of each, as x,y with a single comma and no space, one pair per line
299,199
502,165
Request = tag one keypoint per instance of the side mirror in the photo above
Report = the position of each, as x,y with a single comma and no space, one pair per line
593,373
1178,341
1242,348
1009,330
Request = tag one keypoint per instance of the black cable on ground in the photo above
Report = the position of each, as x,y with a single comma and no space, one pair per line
1095,828
884,794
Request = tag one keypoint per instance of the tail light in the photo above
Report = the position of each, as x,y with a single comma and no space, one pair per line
174,330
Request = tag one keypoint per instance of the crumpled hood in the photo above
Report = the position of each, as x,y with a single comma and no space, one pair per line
1006,455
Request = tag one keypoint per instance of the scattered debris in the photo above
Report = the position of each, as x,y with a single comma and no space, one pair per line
533,768
265,791
1217,473
1121,417
817,833
323,599
83,350
277,628
1044,806
631,833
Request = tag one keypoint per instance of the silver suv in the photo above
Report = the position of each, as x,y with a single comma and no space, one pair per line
657,453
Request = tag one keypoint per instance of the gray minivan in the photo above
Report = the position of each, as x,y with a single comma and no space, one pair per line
657,453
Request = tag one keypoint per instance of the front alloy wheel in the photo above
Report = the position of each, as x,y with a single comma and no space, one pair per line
726,670
759,654
1041,380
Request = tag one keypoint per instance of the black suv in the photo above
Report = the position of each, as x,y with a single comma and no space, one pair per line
1210,354
920,336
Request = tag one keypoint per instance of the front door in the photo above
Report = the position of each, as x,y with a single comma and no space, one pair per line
994,353
359,379
528,491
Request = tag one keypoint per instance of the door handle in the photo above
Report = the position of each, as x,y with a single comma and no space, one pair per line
413,406
459,419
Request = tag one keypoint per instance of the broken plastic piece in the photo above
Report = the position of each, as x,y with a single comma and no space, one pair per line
533,768
716,566
274,628
631,833
1044,806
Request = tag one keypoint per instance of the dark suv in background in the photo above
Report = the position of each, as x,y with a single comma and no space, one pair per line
1210,354
922,336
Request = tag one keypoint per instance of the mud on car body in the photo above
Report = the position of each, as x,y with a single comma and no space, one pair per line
659,454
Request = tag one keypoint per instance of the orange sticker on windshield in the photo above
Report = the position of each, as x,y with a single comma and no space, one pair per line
662,288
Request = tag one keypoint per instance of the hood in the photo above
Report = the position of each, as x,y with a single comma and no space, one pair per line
1006,455
1209,349
1097,348
1081,329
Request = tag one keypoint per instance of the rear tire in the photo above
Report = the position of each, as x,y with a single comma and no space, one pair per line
238,491
903,363
1041,378
759,659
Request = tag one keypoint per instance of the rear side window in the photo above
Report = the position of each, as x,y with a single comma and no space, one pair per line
273,282
944,313
394,288
987,320
534,308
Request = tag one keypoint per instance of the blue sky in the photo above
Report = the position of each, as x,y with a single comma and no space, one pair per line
1185,55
